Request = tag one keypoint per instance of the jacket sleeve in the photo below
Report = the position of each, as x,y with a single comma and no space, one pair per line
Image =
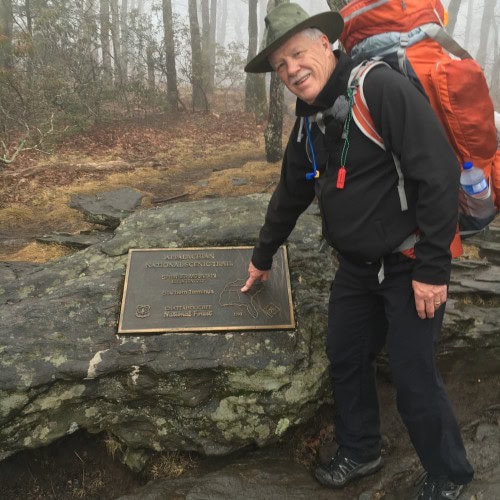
292,196
411,130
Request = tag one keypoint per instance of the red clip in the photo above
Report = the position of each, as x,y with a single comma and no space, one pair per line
341,178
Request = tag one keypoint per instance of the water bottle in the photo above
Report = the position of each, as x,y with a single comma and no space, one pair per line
473,181
477,209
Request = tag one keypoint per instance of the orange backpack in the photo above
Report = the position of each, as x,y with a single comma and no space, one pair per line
411,34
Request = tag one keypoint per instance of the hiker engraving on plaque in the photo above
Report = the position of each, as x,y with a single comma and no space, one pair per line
199,289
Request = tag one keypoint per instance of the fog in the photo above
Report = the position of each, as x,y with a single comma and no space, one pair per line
237,21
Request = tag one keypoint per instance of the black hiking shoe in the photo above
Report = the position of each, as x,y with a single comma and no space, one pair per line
341,470
439,489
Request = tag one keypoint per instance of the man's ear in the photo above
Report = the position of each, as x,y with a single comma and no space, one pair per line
325,42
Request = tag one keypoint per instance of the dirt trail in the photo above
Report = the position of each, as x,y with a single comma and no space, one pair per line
201,155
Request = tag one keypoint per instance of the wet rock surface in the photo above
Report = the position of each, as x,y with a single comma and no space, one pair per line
79,240
474,387
63,368
108,208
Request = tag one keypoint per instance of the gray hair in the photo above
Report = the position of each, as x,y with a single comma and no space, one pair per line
312,33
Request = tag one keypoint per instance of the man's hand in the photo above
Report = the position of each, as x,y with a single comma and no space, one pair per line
428,298
254,275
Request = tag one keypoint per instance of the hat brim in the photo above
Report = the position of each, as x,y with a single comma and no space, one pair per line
330,23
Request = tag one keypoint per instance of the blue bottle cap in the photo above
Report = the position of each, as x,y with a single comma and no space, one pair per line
467,165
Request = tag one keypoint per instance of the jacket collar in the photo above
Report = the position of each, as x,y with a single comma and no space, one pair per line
335,86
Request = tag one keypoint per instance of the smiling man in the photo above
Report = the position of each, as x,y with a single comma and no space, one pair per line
304,64
391,215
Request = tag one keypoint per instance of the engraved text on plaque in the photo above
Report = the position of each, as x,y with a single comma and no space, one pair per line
198,289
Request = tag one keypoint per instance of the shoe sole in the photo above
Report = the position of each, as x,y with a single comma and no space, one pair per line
361,473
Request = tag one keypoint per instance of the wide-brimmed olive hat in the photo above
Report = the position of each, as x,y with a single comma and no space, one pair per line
287,20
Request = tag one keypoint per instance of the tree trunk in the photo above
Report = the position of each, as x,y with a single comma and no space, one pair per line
105,45
6,25
115,36
255,84
274,130
124,41
250,81
212,46
29,27
453,9
262,17
150,61
172,92
90,30
198,99
468,25
488,16
221,26
205,40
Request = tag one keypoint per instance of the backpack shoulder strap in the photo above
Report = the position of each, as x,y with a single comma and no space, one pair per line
363,119
360,112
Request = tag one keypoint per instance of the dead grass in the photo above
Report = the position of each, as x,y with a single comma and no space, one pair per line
170,465
471,252
258,176
113,446
192,157
15,215
480,301
38,253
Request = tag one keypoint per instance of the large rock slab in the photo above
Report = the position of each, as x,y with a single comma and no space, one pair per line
63,367
80,240
250,478
107,208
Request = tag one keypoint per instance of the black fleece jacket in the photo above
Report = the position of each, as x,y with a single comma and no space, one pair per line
364,220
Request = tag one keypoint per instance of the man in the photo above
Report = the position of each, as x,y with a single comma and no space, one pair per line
379,294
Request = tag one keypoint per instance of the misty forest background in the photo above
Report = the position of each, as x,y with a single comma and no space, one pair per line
69,65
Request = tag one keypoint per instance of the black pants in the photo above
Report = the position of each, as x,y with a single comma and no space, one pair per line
363,316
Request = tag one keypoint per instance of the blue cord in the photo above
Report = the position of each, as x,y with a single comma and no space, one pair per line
314,174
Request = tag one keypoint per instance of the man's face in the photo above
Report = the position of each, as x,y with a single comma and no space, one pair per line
304,65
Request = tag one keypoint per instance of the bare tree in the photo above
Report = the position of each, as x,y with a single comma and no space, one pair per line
150,62
199,100
205,40
105,45
255,85
274,130
262,18
172,92
29,34
6,24
252,51
212,44
124,40
453,9
488,17
115,37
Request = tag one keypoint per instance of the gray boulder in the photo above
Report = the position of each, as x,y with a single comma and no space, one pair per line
107,208
63,367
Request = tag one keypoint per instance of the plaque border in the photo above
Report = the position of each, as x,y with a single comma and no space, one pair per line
291,326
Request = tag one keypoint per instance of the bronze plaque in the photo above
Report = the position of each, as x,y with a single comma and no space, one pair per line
198,289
